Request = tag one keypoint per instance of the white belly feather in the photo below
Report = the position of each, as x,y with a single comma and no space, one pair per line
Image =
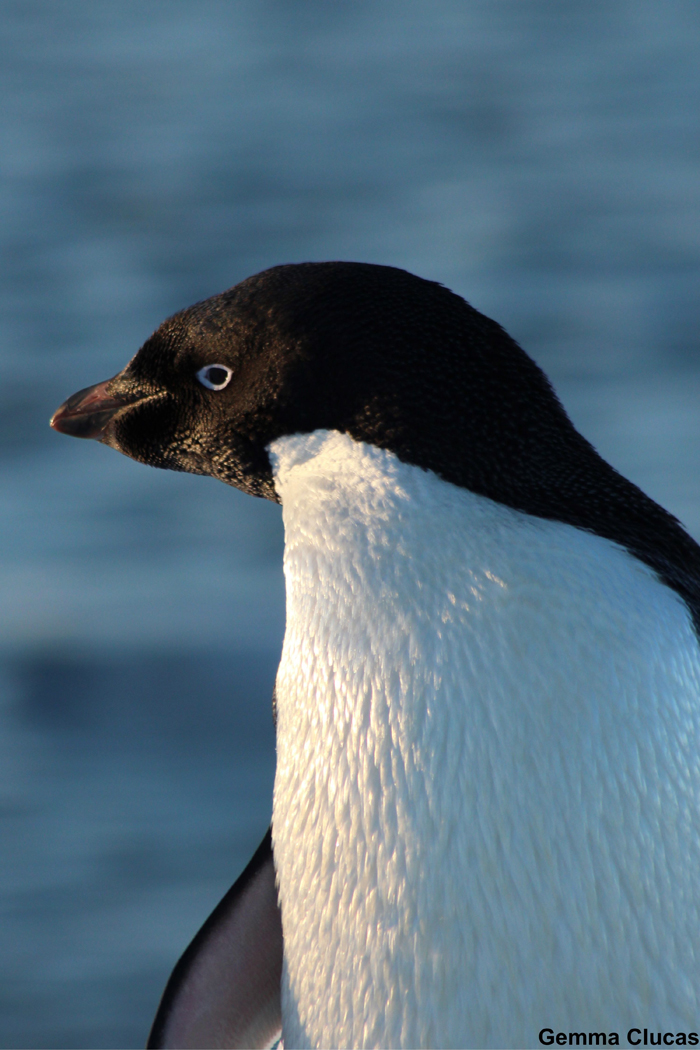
487,800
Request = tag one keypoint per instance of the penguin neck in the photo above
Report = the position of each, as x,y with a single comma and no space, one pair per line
441,700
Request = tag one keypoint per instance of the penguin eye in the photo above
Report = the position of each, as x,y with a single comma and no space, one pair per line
214,377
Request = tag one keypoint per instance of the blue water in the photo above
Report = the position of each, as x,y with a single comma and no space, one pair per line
540,158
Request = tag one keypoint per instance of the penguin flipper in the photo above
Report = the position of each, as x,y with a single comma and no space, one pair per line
225,990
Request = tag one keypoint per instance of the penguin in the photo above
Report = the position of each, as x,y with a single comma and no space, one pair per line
486,815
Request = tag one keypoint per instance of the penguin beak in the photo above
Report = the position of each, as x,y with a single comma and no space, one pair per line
88,413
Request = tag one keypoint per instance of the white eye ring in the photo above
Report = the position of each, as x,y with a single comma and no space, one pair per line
217,382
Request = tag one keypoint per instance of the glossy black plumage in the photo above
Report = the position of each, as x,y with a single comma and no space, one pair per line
393,360
225,989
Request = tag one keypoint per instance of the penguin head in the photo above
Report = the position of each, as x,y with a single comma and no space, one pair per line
372,351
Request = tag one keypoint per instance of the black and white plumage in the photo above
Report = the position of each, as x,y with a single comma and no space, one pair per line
486,809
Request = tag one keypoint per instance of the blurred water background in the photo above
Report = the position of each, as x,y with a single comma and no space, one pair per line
540,158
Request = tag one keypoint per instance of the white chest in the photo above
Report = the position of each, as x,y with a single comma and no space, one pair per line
486,814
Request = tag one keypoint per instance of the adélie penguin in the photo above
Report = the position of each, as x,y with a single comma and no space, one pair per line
486,815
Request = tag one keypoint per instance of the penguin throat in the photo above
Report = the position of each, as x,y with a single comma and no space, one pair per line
463,689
